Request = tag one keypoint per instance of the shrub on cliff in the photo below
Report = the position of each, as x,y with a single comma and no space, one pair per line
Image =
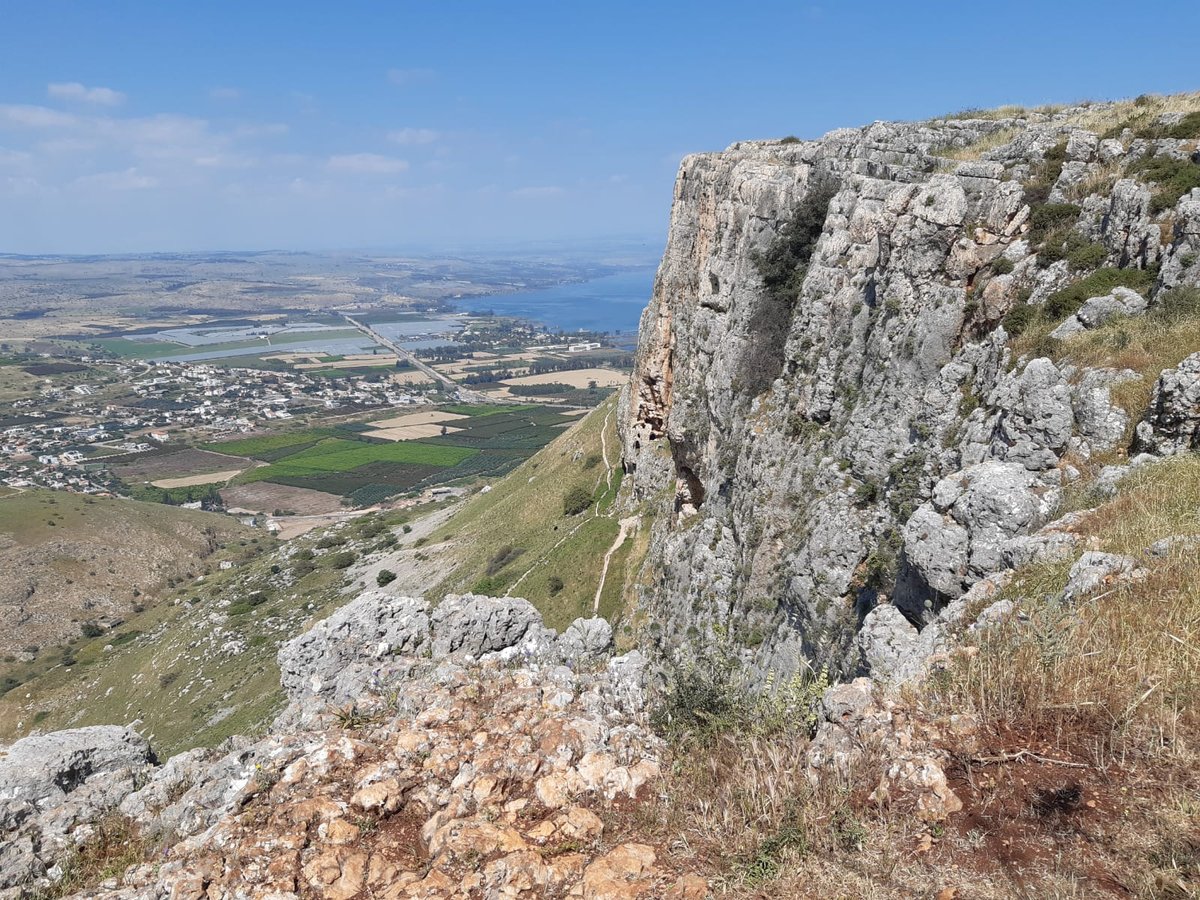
576,500
782,268
712,695
1172,177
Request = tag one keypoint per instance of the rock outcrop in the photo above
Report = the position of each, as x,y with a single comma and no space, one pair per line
477,769
856,429
1172,424
53,787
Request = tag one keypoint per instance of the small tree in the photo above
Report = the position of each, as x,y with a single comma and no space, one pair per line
385,577
576,500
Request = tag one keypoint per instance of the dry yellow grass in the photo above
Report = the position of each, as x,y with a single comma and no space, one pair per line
193,480
430,417
410,377
1135,112
576,378
1145,345
995,139
1118,671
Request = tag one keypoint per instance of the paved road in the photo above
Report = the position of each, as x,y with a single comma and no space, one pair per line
464,394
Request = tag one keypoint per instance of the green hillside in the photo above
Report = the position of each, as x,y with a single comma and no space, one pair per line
518,540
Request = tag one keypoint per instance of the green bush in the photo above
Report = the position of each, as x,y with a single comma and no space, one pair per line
1045,173
713,694
1086,256
554,584
90,630
1173,177
1019,318
1066,302
1185,129
343,559
1002,265
1049,216
489,587
1179,304
385,577
577,499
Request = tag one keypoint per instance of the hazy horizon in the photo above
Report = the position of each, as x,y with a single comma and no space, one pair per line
159,128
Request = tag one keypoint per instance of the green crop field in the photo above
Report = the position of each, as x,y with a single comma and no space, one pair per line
342,460
267,446
340,455
484,409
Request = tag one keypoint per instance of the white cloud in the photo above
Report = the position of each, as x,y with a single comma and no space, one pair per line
128,180
225,161
35,116
66,145
544,191
413,136
266,129
409,77
225,93
78,93
14,157
367,164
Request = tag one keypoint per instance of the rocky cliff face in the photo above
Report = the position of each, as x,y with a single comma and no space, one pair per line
867,432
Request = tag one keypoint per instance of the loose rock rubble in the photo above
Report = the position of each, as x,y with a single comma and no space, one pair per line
859,718
497,775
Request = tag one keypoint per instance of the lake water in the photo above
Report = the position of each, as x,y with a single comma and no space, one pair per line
612,303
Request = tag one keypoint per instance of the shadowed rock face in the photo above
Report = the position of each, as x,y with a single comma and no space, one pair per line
785,514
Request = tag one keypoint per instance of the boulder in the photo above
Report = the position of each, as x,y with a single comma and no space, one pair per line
474,625
1172,423
887,642
1098,420
959,536
585,640
335,650
1097,310
1094,569
54,785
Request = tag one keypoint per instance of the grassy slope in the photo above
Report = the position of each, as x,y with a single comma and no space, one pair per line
200,668
71,558
525,511
195,670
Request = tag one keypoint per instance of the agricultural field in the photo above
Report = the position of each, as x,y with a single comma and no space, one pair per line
268,497
370,462
178,464
577,378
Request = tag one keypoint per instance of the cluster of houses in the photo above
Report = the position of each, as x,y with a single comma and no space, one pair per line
67,438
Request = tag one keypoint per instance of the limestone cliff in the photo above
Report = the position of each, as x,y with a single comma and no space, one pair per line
795,442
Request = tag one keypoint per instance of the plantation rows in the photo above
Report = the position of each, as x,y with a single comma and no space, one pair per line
341,460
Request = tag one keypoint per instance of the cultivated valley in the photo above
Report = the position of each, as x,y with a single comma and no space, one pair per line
863,565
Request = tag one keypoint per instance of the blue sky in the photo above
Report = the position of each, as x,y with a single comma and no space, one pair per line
175,126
